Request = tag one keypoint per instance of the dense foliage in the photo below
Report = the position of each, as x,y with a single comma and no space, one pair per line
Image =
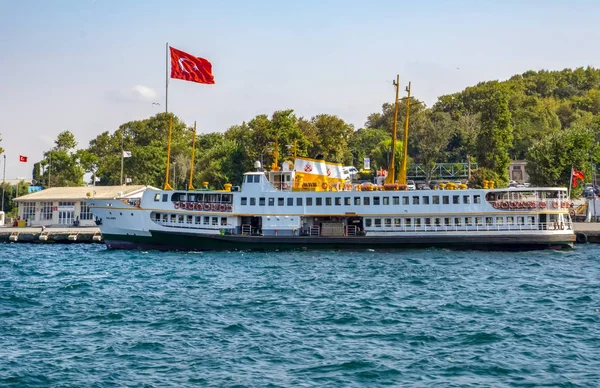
549,118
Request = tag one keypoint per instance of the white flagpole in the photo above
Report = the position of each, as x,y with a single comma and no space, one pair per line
570,182
167,80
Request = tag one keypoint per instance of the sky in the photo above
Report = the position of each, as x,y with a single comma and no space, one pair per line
88,66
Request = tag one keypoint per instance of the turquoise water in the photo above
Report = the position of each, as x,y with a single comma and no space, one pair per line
79,315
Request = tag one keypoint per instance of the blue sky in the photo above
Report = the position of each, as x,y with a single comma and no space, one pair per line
90,65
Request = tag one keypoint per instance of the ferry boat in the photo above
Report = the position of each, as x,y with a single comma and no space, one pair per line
275,210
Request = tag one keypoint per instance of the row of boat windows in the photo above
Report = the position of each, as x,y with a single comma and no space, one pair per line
194,197
189,220
449,221
366,201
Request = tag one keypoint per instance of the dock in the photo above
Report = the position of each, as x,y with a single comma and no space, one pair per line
55,235
587,232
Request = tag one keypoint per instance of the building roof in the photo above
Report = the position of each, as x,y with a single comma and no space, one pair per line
80,193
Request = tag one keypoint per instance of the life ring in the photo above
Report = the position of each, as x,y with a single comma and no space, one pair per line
285,186
222,208
176,205
229,208
348,187
495,204
198,206
215,207
555,204
504,205
512,205
206,206
572,212
543,205
581,238
324,185
190,206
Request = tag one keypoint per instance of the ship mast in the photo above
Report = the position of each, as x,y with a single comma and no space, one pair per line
392,167
402,175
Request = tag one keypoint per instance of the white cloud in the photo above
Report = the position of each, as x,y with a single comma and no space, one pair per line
144,92
139,93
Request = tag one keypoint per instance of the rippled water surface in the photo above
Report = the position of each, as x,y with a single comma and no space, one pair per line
79,315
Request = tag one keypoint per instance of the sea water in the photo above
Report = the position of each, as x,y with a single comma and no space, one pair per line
80,315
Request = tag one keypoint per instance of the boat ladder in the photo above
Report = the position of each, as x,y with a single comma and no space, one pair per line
14,236
351,230
246,229
314,230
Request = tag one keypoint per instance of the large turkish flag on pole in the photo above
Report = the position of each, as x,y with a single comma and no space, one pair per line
190,68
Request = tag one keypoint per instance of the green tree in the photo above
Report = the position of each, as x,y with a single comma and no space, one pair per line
431,137
550,160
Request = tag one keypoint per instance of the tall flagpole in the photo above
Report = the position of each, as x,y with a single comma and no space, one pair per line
167,79
190,184
570,183
167,186
3,182
122,158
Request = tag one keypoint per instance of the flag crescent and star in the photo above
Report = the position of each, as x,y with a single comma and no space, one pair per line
190,68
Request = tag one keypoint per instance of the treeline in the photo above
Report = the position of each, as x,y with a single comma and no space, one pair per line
549,118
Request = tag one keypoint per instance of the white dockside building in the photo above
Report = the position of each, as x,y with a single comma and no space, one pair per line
66,205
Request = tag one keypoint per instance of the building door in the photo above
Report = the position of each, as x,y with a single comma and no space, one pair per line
65,217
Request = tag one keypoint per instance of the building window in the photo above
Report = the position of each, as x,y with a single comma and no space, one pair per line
328,201
456,199
244,201
299,201
28,210
415,200
318,201
396,200
46,211
86,212
367,201
376,201
290,201
436,199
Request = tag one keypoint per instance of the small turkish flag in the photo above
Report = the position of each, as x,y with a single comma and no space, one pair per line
22,158
190,68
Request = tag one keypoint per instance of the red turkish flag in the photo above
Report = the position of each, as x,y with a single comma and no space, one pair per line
22,158
577,175
190,68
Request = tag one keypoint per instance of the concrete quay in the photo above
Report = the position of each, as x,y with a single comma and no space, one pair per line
587,232
56,235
